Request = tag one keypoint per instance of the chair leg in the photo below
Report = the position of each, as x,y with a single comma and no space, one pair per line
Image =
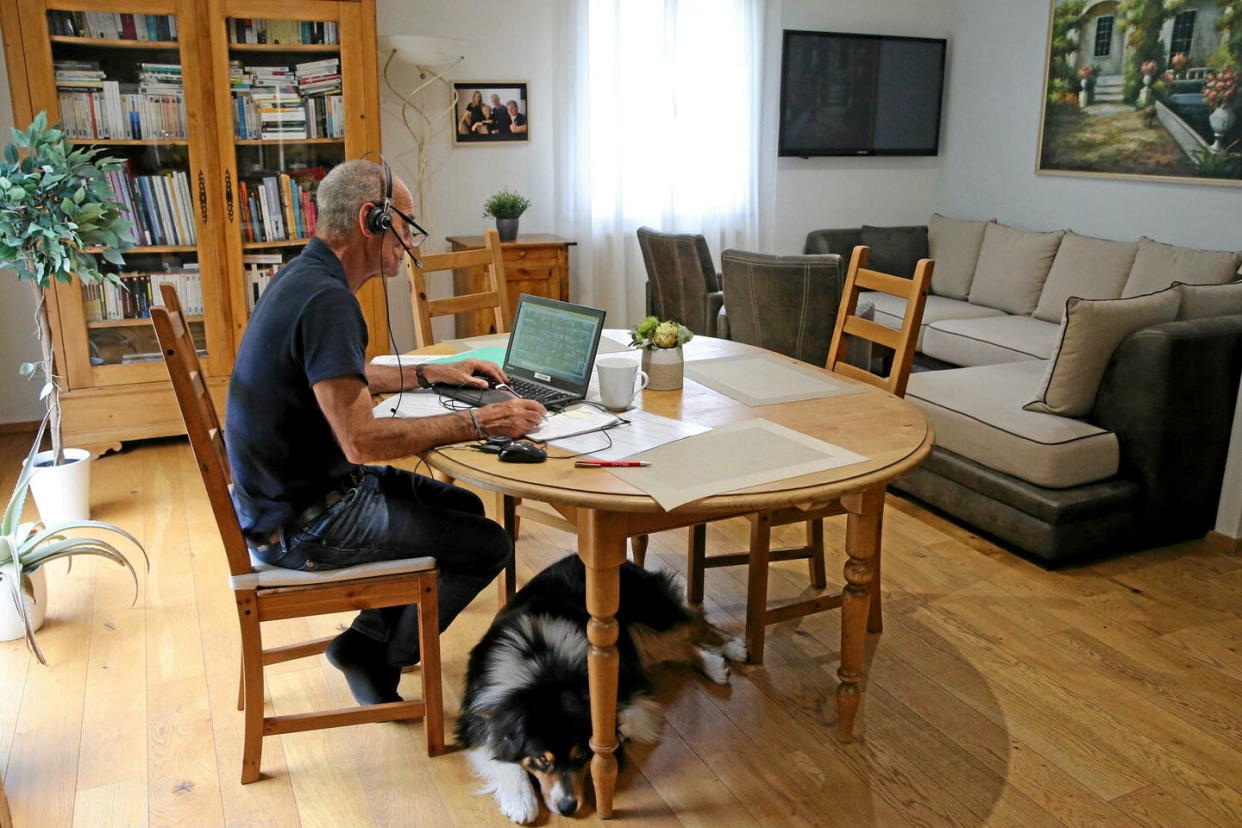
638,549
507,505
252,683
815,548
429,648
757,584
507,584
696,553
241,684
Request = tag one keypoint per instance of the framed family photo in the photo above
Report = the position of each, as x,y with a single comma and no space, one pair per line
1143,89
490,112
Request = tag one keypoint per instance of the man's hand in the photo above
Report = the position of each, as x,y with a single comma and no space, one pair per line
462,373
512,418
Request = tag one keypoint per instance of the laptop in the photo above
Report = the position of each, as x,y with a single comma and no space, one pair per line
551,351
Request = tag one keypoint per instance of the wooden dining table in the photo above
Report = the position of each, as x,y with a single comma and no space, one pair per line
605,511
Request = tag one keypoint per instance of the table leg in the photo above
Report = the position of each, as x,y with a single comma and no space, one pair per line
601,544
862,543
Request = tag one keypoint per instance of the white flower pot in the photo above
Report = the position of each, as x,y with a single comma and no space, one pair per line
10,622
62,493
1221,119
664,368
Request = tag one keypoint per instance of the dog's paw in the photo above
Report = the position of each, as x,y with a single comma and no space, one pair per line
735,650
518,801
714,666
642,720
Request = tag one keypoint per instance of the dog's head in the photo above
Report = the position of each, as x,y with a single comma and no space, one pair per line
547,730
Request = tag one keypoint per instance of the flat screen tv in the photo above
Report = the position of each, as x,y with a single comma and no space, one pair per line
857,94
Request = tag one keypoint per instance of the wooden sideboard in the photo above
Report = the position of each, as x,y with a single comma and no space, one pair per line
537,263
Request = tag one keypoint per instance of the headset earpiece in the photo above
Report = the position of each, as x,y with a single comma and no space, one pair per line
379,220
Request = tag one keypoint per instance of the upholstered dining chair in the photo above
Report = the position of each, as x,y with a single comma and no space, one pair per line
268,593
682,282
848,326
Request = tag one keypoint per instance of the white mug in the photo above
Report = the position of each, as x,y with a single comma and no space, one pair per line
616,382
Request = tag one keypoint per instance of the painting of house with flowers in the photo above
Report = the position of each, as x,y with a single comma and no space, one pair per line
1144,88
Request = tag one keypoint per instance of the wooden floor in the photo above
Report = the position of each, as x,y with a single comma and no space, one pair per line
999,694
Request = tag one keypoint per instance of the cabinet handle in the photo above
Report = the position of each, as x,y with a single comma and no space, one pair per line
202,196
228,193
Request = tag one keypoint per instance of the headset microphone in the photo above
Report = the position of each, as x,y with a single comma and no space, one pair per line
409,251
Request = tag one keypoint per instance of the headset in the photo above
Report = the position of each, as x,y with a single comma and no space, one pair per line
379,217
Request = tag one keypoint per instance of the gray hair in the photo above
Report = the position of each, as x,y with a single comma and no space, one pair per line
341,195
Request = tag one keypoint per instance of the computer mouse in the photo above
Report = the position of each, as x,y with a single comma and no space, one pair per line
521,451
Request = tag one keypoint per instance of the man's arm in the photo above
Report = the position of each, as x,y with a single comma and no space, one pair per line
364,438
389,379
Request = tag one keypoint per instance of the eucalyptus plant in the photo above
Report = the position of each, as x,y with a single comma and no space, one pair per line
24,547
57,210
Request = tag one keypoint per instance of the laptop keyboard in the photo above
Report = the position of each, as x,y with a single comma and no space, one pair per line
539,393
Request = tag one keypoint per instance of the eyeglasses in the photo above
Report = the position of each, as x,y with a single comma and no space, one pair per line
417,235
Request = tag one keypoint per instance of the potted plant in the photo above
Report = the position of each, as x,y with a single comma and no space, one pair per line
1086,79
662,358
57,211
1219,91
26,547
506,207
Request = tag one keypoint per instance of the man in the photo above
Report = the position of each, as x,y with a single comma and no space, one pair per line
300,426
500,115
517,120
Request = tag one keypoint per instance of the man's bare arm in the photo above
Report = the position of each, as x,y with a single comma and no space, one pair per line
364,438
389,379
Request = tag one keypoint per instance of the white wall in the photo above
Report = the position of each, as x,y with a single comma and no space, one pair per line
19,398
994,94
815,193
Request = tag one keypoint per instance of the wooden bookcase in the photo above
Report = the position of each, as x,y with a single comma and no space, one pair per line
190,168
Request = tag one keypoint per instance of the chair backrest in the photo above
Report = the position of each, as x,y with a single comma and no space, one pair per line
201,423
782,303
901,341
493,297
680,274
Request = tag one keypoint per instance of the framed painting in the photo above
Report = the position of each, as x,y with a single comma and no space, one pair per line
490,112
1143,89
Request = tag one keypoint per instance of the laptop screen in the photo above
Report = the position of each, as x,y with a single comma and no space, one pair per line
554,342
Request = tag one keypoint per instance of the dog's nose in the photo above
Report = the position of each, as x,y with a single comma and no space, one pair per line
566,806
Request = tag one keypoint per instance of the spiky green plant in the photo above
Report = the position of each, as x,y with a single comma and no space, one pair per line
24,547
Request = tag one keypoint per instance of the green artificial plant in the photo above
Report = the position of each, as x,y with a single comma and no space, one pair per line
24,547
651,333
506,204
57,211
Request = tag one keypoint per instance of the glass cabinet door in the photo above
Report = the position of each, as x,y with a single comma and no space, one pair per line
125,81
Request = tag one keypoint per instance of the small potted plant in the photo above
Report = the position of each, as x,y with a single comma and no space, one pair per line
26,547
57,211
1086,79
662,358
1148,70
1219,92
506,207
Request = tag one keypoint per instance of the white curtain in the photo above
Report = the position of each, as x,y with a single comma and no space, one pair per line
658,113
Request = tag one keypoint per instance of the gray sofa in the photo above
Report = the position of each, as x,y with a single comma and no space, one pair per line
1142,468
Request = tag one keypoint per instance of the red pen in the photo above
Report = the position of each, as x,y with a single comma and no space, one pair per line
609,464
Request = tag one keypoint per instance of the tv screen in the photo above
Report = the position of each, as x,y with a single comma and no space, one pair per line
852,94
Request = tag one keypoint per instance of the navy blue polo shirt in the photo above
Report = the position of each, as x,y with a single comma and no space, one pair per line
307,327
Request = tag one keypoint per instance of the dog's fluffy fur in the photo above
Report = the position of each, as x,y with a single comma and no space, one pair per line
527,707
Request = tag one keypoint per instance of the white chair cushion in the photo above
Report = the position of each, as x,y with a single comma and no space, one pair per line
977,413
990,340
891,310
266,576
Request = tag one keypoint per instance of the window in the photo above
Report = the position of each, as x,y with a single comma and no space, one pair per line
1183,33
1104,36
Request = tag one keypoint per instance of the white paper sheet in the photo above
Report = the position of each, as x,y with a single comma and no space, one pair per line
576,420
407,360
641,431
411,404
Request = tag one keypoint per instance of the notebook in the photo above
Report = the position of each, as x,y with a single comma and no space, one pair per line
551,351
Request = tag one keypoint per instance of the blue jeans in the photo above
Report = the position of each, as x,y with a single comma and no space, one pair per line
393,513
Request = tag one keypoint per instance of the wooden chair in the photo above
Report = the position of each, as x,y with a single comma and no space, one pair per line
268,593
902,342
495,297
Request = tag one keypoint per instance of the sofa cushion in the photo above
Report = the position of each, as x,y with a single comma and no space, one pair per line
1158,265
1199,301
1013,266
895,250
990,340
1085,267
954,245
977,413
891,310
1092,330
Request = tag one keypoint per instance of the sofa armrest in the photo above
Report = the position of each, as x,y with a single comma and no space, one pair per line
1169,394
839,241
712,303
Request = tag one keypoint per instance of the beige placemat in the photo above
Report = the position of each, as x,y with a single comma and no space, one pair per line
731,457
764,379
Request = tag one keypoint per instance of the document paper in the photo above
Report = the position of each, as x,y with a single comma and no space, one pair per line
766,379
731,457
640,431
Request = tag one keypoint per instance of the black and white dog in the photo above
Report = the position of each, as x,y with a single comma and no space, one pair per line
527,712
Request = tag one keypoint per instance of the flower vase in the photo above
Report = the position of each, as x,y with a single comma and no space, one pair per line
664,367
1221,120
1084,99
34,593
